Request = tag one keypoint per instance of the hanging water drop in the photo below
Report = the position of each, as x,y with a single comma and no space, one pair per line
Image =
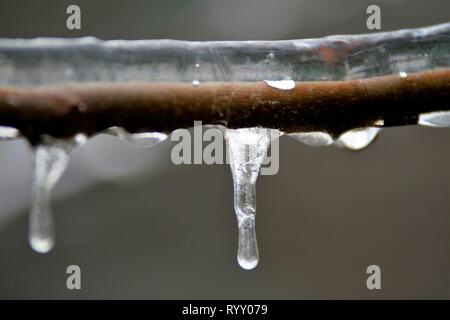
195,83
403,74
314,138
287,84
358,139
247,149
140,139
51,157
8,133
435,119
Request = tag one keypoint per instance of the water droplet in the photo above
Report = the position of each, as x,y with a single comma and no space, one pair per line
314,138
195,83
197,65
358,139
140,139
435,119
403,74
50,157
287,84
8,133
247,149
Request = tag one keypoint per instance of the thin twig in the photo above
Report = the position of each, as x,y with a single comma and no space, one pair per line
332,106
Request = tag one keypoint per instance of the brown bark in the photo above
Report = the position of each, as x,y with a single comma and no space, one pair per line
333,106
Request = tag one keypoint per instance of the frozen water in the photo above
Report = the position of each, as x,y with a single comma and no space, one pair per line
247,149
51,157
8,133
358,139
140,139
315,138
435,119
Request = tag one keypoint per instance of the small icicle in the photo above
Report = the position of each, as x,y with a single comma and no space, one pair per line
358,139
141,139
314,138
51,157
287,84
8,133
246,150
435,119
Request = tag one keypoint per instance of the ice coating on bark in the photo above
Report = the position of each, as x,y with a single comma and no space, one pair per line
54,60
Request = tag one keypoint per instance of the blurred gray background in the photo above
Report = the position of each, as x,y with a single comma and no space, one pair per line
142,227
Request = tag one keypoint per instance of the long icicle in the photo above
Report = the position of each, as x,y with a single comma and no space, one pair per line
50,157
246,151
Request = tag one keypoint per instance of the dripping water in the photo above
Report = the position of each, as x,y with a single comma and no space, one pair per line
435,119
51,157
314,138
141,139
358,139
246,150
287,84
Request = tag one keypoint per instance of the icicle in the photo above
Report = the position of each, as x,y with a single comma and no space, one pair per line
247,149
51,157
287,84
8,133
315,138
435,119
141,139
358,139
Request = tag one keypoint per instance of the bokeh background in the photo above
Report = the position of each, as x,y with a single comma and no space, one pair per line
142,227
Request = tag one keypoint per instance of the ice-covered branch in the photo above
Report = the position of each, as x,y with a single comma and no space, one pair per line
66,86
340,89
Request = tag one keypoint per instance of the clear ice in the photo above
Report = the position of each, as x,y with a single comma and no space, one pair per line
314,138
51,157
247,149
8,133
55,61
435,119
358,139
140,139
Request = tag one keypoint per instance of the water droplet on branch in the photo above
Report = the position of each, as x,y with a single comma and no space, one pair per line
140,139
315,138
50,157
247,149
358,139
435,119
8,133
281,84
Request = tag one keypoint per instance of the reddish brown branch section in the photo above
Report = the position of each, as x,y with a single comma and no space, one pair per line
334,106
